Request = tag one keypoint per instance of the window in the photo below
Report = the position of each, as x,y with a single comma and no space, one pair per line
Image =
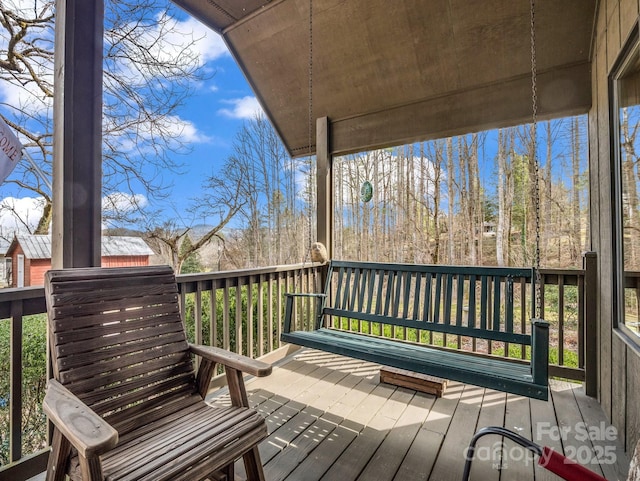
625,86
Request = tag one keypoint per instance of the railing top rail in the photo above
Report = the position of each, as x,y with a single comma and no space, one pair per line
526,272
205,276
564,272
20,293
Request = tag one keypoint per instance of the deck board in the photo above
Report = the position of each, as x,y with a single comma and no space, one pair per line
450,461
422,454
612,466
492,413
516,462
569,419
389,455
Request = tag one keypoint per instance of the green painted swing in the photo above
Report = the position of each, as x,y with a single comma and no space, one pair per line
468,304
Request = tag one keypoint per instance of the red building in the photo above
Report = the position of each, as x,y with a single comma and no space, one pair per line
31,256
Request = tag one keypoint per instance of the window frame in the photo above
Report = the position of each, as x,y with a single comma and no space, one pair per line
630,48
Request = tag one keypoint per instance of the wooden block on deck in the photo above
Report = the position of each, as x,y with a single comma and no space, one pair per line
413,380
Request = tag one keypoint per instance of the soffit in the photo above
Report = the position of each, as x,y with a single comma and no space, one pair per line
386,72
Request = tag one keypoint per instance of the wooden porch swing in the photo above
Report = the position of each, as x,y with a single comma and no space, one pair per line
370,311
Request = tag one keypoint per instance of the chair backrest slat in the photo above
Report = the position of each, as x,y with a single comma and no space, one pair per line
118,341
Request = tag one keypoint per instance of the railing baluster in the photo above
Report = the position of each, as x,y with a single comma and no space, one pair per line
279,308
523,315
270,310
197,312
226,341
238,321
15,393
249,311
561,320
213,315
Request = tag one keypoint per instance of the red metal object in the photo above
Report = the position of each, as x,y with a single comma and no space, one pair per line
565,467
549,459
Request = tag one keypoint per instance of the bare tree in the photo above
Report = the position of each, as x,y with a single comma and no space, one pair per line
450,201
150,68
224,197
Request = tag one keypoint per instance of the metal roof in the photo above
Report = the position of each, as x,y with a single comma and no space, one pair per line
125,246
388,72
39,246
4,246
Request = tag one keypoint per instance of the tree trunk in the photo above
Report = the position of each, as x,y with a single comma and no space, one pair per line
576,243
500,228
450,201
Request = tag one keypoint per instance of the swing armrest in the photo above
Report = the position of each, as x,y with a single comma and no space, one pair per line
289,306
540,351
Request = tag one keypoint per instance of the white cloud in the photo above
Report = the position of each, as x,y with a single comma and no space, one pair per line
209,44
168,41
187,37
245,108
20,215
183,132
123,202
28,98
186,131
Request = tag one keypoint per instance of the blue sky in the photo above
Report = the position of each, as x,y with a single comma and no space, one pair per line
217,110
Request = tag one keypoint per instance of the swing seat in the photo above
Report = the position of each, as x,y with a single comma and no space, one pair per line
376,312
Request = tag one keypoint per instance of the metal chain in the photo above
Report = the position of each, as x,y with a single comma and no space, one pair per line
534,134
310,140
310,211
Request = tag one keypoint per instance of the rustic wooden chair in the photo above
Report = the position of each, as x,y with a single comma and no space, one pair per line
125,402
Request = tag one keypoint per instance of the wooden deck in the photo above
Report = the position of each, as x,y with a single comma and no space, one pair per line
331,419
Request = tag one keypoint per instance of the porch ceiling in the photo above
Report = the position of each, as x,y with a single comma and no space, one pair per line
388,72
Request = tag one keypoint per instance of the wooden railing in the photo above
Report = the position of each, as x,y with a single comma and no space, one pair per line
210,306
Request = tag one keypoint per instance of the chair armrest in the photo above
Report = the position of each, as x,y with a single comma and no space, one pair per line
83,428
231,359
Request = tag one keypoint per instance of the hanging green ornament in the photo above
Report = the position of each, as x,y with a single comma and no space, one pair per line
366,191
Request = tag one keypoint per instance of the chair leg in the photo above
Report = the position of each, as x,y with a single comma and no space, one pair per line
59,457
91,468
230,472
253,466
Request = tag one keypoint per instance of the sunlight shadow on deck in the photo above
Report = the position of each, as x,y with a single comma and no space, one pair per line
330,418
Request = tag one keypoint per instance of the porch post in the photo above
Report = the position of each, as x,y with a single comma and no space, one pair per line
324,163
77,147
591,344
